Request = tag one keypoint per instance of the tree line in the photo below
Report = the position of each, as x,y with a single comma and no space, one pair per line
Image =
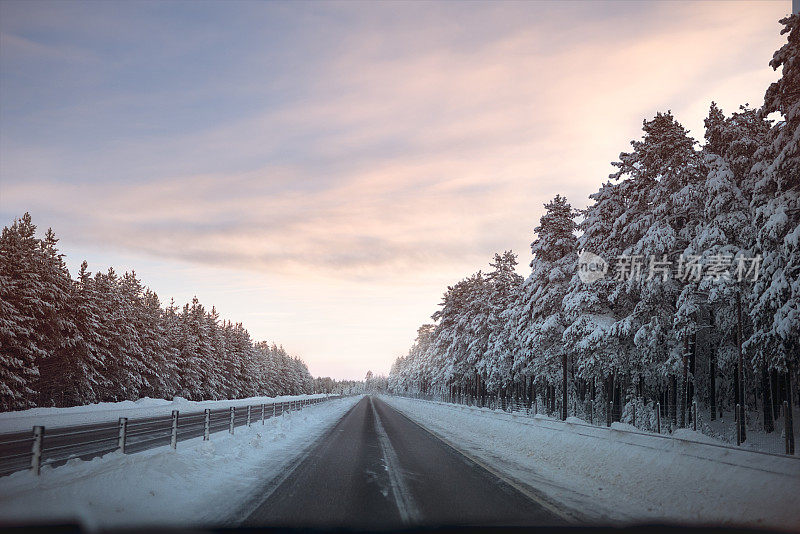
655,327
105,337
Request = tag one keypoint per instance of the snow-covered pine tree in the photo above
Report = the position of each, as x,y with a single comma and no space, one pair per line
160,355
269,369
592,309
106,338
219,367
189,362
22,344
55,324
537,316
660,180
776,204
504,285
459,343
82,373
417,367
725,228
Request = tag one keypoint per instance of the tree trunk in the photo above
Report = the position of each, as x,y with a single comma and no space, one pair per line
564,388
788,415
712,383
685,384
531,392
776,388
740,367
769,424
673,399
690,394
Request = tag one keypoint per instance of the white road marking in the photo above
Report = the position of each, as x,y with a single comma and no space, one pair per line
570,517
408,511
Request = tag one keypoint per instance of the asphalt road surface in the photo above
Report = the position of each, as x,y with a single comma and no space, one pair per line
378,469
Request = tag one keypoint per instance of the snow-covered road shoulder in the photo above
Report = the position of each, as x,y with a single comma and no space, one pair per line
611,476
199,484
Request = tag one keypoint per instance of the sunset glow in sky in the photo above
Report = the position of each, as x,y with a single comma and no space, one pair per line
322,171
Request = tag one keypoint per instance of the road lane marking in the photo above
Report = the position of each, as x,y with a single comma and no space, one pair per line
409,513
242,517
530,493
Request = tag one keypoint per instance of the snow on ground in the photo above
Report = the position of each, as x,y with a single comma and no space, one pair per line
724,428
112,411
199,484
611,475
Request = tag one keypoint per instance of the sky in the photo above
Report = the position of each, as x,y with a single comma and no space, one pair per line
322,172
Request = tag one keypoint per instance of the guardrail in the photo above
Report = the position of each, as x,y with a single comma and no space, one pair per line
55,446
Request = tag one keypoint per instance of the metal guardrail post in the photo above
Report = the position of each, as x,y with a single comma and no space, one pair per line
173,440
206,424
248,414
36,450
658,417
123,434
231,425
262,414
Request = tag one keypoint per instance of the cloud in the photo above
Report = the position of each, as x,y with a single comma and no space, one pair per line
323,171
420,144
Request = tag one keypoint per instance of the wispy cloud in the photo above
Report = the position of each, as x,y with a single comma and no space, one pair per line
364,143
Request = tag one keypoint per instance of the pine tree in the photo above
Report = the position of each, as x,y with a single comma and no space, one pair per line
22,345
504,285
106,338
537,319
56,324
776,203
725,229
83,366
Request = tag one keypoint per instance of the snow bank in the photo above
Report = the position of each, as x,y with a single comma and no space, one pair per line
111,411
199,484
612,475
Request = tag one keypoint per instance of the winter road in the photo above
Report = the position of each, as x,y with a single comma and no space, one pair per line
377,468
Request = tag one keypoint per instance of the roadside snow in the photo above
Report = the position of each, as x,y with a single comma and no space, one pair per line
199,484
602,475
111,411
